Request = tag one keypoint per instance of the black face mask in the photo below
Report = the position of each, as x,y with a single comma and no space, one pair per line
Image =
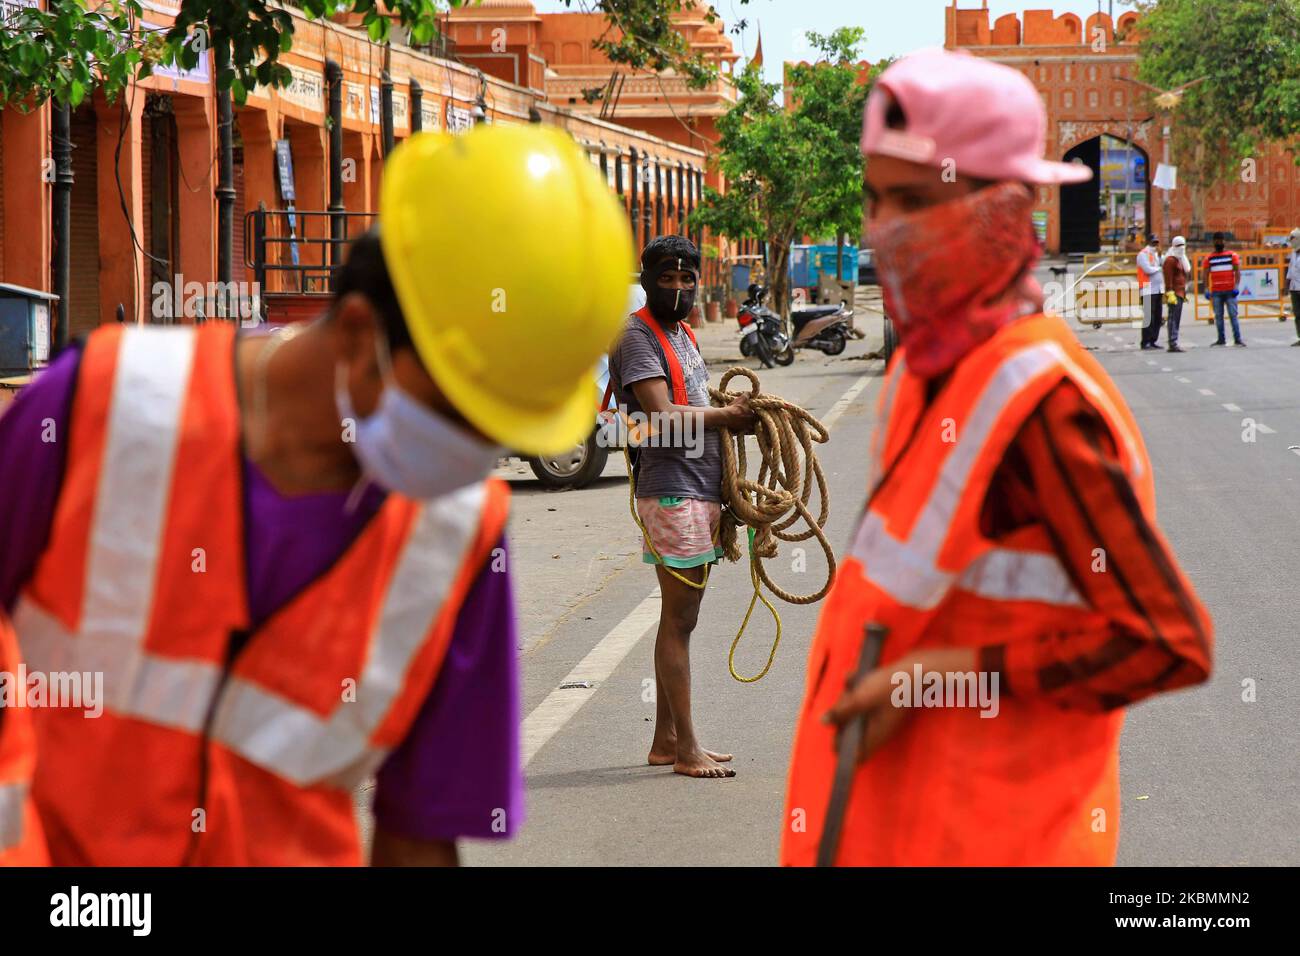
668,306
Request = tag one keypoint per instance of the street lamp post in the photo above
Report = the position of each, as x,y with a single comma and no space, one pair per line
1167,101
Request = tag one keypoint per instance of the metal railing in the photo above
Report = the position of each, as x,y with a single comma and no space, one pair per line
295,250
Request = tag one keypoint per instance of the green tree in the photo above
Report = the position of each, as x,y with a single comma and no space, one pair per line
1247,56
68,50
792,169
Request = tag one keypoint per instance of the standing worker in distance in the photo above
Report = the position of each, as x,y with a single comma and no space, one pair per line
657,371
1009,531
283,552
1293,280
1152,286
1223,280
1177,269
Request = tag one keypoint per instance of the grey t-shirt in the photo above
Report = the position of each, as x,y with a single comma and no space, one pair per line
691,468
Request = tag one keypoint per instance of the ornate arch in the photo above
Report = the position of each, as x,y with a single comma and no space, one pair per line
1070,133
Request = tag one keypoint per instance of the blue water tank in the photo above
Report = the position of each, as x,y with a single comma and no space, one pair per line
24,329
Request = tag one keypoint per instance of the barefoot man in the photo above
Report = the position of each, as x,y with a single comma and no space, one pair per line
658,373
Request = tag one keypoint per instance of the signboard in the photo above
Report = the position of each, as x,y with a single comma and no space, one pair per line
354,98
458,119
10,8
40,332
307,89
284,169
1040,226
199,74
1260,285
429,119
374,105
401,110
284,173
1166,177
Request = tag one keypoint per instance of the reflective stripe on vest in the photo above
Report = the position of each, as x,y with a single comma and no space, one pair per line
884,412
908,569
13,799
123,548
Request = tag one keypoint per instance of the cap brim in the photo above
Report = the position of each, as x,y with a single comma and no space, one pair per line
1048,173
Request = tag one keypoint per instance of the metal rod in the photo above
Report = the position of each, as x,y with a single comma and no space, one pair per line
61,219
846,759
386,110
334,79
225,173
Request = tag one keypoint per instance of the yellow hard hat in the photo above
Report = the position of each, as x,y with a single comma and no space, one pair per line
510,259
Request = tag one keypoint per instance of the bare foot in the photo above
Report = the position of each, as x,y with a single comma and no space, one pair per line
699,765
662,756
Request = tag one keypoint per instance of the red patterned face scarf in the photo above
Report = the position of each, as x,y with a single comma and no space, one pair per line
946,272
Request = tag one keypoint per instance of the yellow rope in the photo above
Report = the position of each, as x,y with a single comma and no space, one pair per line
767,506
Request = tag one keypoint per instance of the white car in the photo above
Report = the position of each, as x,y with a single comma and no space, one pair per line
585,462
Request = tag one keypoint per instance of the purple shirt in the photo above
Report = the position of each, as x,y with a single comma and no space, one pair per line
457,773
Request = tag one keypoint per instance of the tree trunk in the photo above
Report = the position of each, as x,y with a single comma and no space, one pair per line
778,276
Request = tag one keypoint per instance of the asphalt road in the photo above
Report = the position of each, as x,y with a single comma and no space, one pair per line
1207,778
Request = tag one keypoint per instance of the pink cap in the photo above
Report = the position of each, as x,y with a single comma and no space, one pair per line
988,119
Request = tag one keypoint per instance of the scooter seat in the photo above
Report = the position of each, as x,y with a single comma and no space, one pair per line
816,312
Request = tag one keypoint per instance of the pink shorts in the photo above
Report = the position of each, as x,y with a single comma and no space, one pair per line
683,530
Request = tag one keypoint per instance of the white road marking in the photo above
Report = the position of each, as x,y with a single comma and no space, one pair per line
559,706
1231,407
1184,380
1205,391
846,399
1151,361
1295,449
1261,427
1166,369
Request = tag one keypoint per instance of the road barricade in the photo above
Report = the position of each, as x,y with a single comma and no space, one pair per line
1105,293
1262,293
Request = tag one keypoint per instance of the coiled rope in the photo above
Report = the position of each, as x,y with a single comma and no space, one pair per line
767,506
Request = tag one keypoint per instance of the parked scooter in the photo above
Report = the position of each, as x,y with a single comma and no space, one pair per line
822,327
761,333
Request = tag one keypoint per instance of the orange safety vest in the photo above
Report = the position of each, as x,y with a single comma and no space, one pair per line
217,745
21,840
676,375
1036,784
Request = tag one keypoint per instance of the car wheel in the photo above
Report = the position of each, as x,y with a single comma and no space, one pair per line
574,467
891,339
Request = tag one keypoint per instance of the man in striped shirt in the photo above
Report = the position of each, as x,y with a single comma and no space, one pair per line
1223,276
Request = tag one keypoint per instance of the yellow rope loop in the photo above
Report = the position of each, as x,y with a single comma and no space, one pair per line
778,498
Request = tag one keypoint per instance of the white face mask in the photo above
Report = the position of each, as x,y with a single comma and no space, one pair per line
408,448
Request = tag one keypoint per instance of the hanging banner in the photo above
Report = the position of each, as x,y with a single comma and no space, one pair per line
1166,177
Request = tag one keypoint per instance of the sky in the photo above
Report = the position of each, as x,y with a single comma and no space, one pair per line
893,27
